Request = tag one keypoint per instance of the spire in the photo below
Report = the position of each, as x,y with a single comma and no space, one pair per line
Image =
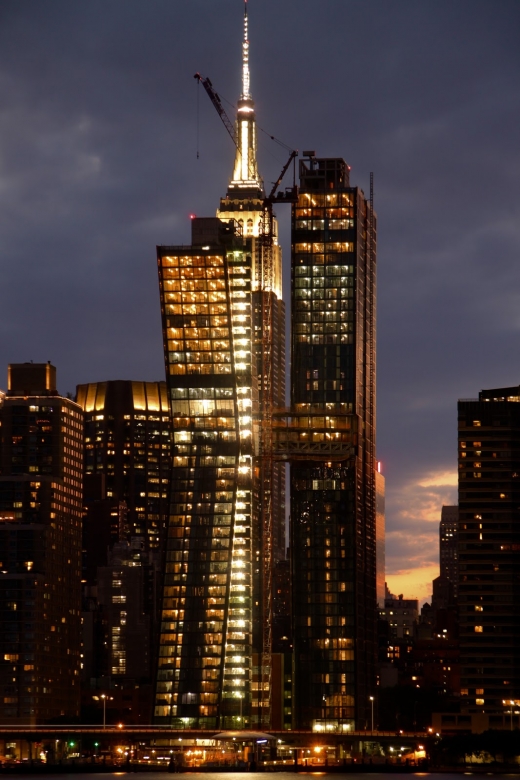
245,173
244,201
245,59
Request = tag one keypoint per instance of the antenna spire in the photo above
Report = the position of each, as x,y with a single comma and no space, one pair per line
245,58
245,172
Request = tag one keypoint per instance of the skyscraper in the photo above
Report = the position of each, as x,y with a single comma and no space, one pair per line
333,502
245,203
448,545
127,451
380,538
489,552
121,593
41,456
206,642
127,465
224,330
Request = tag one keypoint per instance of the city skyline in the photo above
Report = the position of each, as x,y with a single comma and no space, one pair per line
100,140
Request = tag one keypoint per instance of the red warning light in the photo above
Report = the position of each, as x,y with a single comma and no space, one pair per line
193,216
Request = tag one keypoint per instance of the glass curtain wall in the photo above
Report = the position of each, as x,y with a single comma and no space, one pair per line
333,500
205,655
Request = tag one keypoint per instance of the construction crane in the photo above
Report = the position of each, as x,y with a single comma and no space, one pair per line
215,99
291,194
219,108
264,350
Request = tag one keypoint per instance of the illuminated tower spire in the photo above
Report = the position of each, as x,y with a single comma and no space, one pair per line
245,58
244,201
245,172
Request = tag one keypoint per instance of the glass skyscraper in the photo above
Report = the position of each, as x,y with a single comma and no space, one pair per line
205,656
333,496
226,529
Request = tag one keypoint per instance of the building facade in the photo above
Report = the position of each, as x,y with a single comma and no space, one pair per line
401,615
127,453
41,459
448,545
333,496
121,590
489,553
380,538
224,336
206,642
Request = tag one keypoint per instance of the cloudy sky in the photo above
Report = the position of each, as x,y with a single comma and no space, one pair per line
98,164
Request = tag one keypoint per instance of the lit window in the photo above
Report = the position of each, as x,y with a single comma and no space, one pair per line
479,629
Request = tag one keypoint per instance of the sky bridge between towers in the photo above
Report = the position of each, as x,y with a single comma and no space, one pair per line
311,432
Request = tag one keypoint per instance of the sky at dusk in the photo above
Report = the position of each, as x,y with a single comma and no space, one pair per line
98,164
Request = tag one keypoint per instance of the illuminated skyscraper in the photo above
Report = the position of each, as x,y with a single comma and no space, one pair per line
41,457
333,497
127,451
221,371
489,555
206,643
244,202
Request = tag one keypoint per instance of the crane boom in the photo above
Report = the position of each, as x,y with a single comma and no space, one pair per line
277,183
215,99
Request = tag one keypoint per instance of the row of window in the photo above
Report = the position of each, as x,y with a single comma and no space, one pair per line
306,199
319,223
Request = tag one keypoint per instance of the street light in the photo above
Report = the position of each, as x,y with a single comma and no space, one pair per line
372,707
104,697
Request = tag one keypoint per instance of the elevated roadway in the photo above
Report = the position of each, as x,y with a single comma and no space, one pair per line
133,734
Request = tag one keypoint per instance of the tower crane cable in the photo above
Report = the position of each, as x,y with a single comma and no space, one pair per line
216,98
198,117
276,140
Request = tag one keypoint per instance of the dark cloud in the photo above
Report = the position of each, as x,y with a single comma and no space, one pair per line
99,134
